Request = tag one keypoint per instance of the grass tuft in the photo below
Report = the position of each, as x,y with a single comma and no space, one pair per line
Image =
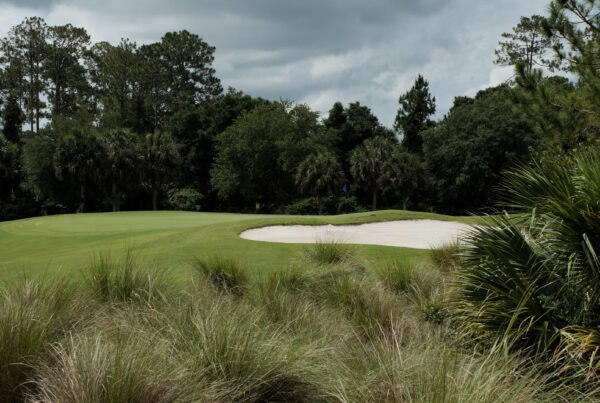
396,368
124,280
404,277
33,314
447,258
245,357
227,274
329,252
96,368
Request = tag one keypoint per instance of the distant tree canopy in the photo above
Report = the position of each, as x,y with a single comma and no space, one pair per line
54,71
467,151
353,125
374,166
259,154
249,164
99,126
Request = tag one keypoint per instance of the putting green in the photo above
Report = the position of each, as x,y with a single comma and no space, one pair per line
170,239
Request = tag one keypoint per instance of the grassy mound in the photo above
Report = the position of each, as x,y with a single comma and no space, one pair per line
170,239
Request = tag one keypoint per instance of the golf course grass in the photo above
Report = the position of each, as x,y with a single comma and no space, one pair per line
170,239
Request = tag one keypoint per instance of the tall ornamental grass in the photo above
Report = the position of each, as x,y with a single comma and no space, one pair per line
124,279
333,332
33,315
227,274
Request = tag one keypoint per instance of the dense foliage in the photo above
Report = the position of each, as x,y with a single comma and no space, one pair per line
468,151
97,126
533,277
530,277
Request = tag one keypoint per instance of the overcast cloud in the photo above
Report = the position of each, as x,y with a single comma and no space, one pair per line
316,51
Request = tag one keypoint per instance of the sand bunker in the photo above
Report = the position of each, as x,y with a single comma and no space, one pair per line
418,234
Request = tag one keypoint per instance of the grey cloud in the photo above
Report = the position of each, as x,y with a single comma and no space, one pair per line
32,4
319,51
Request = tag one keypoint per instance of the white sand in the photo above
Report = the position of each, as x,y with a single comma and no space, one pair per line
418,234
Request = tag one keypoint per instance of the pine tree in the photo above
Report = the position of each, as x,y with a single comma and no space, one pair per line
416,106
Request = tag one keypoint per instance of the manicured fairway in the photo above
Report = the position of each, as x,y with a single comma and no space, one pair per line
171,239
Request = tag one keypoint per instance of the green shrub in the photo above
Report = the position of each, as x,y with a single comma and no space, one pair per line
435,313
307,206
309,333
186,199
371,309
227,274
350,204
51,206
327,204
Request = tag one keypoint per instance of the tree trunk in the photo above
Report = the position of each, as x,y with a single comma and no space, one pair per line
57,99
31,122
37,118
57,88
31,78
115,201
82,195
37,101
154,194
319,205
374,206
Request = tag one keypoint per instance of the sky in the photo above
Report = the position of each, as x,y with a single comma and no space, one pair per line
316,51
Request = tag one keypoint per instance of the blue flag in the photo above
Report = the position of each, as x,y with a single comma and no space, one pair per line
345,188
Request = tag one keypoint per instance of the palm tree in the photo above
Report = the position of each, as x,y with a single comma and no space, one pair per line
536,275
319,173
160,159
77,154
374,165
121,157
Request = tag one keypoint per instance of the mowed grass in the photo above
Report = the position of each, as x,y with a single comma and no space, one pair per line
170,239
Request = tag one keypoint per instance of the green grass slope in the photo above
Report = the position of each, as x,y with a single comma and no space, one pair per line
171,239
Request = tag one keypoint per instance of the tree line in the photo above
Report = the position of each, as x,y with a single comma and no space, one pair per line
97,127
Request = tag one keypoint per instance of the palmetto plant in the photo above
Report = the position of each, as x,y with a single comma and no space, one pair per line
535,275
319,173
